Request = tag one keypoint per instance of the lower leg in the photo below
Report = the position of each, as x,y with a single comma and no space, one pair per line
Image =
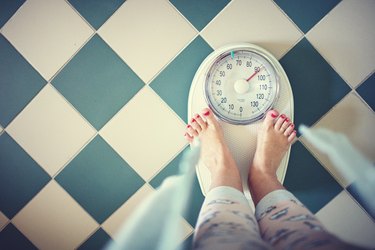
284,222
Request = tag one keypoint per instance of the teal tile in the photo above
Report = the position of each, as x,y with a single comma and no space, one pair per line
171,169
367,91
12,239
196,198
315,84
21,177
8,8
99,179
96,241
308,180
96,12
306,13
200,12
19,82
173,83
97,82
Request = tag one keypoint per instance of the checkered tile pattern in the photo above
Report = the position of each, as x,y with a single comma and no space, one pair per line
93,105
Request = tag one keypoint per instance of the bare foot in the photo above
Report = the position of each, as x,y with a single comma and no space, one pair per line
215,153
274,138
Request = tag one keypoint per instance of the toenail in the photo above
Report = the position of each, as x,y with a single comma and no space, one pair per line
193,120
273,115
188,126
197,116
292,125
287,120
282,116
207,113
294,132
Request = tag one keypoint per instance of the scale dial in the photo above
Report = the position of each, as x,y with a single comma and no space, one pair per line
242,84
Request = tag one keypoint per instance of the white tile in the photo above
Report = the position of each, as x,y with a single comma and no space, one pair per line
258,22
354,119
114,223
118,218
346,38
344,218
3,221
146,133
53,220
148,33
50,130
47,34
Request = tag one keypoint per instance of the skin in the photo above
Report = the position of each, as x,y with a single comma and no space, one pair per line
274,138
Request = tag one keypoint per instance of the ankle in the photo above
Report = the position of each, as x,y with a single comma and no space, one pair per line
257,173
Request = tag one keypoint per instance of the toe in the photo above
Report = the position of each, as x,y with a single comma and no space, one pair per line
188,138
195,125
208,115
270,117
280,122
285,125
292,136
192,132
289,129
200,121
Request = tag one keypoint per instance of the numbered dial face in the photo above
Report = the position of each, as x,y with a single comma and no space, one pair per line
241,86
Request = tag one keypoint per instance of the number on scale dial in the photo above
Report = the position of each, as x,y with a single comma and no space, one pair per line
241,86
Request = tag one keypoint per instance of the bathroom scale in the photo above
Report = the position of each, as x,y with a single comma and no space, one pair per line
240,83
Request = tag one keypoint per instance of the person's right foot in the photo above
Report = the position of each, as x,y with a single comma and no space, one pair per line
274,138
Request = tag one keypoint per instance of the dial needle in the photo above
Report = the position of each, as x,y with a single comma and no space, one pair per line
256,72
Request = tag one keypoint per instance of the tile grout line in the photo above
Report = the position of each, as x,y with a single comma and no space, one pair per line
359,205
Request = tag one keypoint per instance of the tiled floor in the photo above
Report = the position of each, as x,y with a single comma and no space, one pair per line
93,105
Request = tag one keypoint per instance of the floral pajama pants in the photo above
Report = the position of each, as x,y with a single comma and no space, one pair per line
280,222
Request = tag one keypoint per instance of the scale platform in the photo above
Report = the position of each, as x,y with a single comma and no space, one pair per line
241,139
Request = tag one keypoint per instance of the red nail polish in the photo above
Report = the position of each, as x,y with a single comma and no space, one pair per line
188,126
193,120
273,115
287,120
292,125
294,132
207,113
282,116
197,116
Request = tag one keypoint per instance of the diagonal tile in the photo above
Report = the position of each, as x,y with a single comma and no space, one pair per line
367,91
200,12
7,9
171,169
355,189
308,180
344,218
149,37
196,199
53,220
306,13
355,120
97,82
96,241
3,221
113,224
41,33
21,177
173,83
146,133
346,38
11,238
96,12
19,82
274,31
50,130
316,86
99,179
